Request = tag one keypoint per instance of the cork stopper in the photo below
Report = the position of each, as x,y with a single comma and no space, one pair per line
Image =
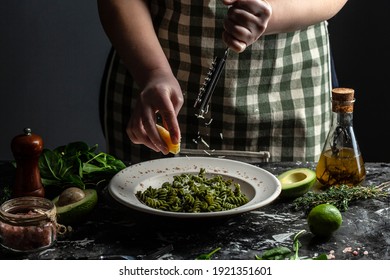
343,100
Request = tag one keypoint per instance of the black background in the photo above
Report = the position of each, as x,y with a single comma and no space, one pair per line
360,45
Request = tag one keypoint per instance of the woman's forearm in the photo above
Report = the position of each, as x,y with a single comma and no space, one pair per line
292,15
129,26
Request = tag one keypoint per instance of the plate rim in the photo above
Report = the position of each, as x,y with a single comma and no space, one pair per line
194,161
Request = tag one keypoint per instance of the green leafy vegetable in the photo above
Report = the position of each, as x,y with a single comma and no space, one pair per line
340,196
207,256
76,164
296,245
284,253
277,253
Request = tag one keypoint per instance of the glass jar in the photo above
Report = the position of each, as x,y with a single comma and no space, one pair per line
27,224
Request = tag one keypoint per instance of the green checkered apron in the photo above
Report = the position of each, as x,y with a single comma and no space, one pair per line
271,103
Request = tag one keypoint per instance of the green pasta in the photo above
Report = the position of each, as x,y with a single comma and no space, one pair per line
194,193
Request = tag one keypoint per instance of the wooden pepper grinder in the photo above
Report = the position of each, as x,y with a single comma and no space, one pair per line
26,149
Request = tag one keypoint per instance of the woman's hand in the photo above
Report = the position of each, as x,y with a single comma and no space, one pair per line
246,21
163,95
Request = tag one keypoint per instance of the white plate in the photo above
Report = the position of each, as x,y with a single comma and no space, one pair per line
260,186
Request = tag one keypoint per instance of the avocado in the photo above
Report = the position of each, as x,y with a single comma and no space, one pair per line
75,211
296,182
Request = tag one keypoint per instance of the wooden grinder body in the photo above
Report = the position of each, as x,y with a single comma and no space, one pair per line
27,149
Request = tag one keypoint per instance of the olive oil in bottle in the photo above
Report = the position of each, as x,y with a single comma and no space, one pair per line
341,162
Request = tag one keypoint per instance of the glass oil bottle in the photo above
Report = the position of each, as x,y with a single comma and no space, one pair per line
341,162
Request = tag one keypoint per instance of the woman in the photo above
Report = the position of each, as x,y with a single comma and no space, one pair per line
273,97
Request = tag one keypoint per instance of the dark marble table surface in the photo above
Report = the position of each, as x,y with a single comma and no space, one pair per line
113,229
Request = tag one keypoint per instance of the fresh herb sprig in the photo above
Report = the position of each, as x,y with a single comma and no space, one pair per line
340,196
76,164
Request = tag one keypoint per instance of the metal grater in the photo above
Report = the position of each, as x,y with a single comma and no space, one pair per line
208,87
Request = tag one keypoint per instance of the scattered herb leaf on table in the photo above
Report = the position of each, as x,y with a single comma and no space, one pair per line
207,256
284,253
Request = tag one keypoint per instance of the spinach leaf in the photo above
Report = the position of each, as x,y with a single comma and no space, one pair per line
284,253
76,164
277,253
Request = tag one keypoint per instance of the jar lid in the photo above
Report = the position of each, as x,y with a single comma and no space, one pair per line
27,210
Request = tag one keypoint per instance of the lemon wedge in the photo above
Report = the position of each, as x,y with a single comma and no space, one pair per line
164,134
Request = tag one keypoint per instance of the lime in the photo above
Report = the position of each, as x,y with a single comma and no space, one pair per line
324,219
76,211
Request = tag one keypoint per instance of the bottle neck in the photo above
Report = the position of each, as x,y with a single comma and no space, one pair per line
342,119
342,112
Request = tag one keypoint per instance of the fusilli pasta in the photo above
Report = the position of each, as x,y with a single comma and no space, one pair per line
193,193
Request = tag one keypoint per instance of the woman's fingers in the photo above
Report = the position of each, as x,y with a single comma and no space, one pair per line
245,22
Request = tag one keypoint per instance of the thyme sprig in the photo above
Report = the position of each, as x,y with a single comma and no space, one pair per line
340,196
